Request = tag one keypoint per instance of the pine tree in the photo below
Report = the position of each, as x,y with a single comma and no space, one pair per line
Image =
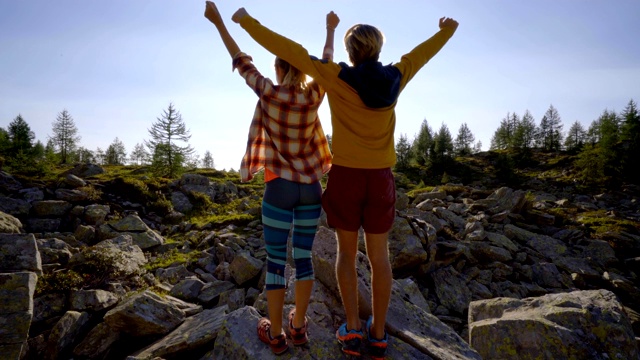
478,147
139,155
423,143
21,136
167,156
524,137
550,130
403,153
207,160
630,137
442,153
504,136
116,153
65,135
576,137
464,141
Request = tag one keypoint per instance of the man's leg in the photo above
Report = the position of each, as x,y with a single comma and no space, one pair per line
381,280
347,276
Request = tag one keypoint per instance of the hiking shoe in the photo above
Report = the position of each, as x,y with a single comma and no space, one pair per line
298,335
277,344
350,340
376,348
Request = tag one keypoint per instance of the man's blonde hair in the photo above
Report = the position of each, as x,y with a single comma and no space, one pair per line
363,42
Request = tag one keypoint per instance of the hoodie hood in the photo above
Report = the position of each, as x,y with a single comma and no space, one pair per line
377,85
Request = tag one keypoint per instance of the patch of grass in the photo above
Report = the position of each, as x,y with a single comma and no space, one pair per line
415,192
598,222
172,258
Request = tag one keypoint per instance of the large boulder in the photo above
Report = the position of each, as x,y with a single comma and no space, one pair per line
19,252
576,325
144,314
9,224
131,225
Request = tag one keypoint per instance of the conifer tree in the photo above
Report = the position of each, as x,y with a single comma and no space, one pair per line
403,153
207,160
576,137
139,155
65,135
21,136
524,137
116,153
423,143
550,130
167,133
464,141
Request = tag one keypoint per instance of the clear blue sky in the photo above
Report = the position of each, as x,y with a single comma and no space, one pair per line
115,65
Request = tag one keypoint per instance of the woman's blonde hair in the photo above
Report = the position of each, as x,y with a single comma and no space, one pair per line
292,76
363,42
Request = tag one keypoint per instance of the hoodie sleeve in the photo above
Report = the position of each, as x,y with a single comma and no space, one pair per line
322,71
412,62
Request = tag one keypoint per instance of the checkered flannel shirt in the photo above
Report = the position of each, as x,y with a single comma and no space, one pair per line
285,135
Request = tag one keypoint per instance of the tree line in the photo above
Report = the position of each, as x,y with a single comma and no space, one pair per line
167,151
605,150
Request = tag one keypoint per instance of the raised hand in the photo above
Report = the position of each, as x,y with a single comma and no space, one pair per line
446,22
332,21
211,12
239,15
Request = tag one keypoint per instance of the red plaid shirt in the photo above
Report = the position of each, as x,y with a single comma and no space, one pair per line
285,135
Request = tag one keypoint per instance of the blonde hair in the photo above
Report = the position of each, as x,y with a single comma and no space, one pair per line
363,42
292,76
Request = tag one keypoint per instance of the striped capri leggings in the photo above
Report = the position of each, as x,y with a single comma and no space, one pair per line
286,202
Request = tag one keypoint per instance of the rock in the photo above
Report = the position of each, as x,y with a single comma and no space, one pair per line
16,307
98,343
119,255
195,332
15,207
210,291
48,306
51,208
402,200
233,299
19,252
405,249
187,289
174,274
32,194
54,251
545,245
133,226
95,214
9,224
74,181
71,195
8,183
85,234
245,267
485,252
576,325
35,225
92,300
451,218
85,170
65,334
451,288
144,314
181,202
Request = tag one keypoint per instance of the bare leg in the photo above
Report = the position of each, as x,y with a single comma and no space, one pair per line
303,294
347,276
275,302
381,280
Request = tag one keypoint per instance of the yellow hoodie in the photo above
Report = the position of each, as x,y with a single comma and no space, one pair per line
362,135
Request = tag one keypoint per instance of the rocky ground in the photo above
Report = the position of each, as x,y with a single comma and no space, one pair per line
479,272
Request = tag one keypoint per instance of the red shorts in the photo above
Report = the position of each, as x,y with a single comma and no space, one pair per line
360,197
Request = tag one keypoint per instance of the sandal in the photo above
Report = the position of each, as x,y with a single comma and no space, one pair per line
277,344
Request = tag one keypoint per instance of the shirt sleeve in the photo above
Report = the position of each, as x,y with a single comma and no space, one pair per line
412,62
260,84
323,71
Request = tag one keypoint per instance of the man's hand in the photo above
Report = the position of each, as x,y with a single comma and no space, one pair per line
332,21
211,13
446,22
238,15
